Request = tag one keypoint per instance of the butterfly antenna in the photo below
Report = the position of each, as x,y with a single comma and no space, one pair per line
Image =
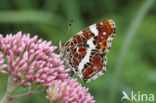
61,43
69,27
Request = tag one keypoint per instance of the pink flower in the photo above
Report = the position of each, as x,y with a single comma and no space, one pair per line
68,91
2,65
30,60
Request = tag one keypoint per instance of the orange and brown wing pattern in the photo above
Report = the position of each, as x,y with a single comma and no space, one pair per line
106,32
86,51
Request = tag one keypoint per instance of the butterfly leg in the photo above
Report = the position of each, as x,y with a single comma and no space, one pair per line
71,73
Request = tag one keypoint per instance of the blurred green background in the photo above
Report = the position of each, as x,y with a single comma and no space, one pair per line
131,62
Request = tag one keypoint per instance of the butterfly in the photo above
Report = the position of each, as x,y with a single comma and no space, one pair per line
85,52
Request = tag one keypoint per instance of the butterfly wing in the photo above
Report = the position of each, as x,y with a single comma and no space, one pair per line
85,51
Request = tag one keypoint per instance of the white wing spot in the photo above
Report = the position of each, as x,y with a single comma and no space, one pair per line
84,60
94,30
104,33
77,49
90,43
87,56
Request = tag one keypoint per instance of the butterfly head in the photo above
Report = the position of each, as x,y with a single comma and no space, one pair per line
61,45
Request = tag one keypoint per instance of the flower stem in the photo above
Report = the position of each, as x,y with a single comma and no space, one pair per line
10,89
29,93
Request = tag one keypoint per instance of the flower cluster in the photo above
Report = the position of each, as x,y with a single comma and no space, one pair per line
69,91
2,65
30,60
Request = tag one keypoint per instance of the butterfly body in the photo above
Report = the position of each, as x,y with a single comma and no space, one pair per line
86,51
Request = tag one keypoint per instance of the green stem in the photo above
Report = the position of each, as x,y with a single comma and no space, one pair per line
10,89
138,18
29,93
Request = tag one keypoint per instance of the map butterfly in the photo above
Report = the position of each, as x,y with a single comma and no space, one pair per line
86,51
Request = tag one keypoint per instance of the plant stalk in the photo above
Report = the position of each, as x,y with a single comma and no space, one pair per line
10,89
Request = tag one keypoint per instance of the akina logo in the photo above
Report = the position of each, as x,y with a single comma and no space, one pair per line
138,97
